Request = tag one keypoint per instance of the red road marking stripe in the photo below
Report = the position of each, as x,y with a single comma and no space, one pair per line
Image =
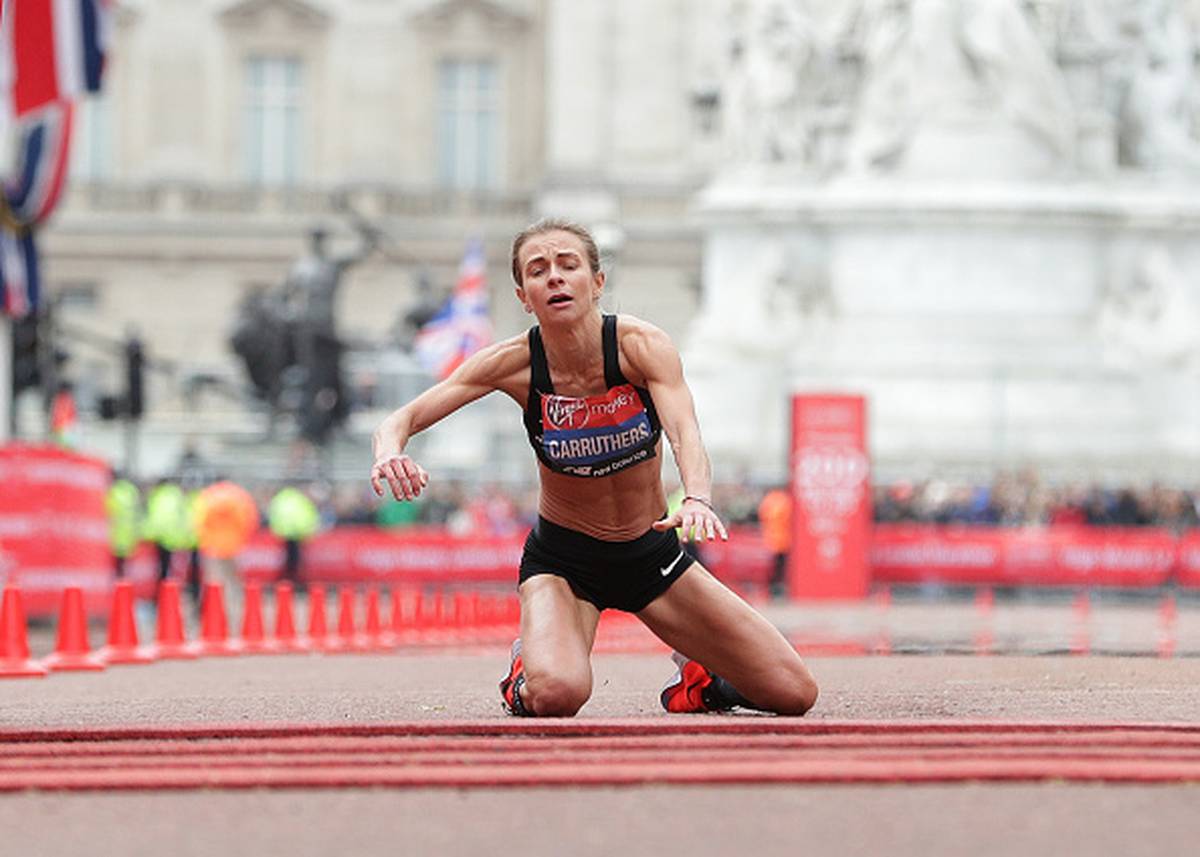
594,752
560,774
528,728
185,761
674,743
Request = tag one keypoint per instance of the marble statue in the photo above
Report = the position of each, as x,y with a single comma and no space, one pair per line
943,76
776,78
1150,317
1159,110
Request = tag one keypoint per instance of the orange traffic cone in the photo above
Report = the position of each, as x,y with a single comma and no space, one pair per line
254,641
170,642
883,609
72,650
1167,614
14,644
377,639
985,602
214,627
1081,612
122,645
406,605
318,631
347,637
286,639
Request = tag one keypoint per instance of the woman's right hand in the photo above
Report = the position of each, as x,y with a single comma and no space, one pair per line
404,476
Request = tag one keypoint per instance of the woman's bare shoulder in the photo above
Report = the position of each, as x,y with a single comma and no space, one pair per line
507,353
643,346
639,337
502,364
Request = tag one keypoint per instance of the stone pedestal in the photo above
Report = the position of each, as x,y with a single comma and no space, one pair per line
988,324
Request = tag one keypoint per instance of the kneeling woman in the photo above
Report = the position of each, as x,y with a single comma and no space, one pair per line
598,391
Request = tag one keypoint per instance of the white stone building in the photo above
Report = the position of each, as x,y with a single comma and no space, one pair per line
228,129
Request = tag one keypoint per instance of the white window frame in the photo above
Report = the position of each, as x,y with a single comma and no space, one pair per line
92,154
272,119
469,128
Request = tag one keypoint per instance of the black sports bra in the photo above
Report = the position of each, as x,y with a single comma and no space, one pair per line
589,435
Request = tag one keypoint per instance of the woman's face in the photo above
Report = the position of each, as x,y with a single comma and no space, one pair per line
558,284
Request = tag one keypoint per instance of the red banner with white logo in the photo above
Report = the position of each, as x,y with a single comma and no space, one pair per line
1078,556
371,555
898,553
53,526
1188,573
831,521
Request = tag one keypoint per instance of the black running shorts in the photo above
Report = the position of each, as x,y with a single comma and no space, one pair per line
621,575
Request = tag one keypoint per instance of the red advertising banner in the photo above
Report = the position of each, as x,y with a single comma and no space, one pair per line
1188,572
830,473
53,526
898,553
743,560
1078,556
371,555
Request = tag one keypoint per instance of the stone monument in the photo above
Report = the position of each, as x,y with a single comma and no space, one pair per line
984,217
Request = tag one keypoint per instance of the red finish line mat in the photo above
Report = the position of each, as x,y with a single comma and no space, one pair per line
683,750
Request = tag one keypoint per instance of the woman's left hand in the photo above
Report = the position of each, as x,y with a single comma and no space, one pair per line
697,522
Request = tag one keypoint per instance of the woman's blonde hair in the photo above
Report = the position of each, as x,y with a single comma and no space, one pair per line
554,224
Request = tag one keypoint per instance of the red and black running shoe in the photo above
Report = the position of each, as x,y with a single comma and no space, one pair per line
688,691
510,685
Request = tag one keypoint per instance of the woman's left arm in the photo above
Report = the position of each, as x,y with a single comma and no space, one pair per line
650,351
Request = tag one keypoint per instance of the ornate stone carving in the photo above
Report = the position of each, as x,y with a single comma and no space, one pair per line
440,14
780,68
1158,110
1149,317
949,83
298,14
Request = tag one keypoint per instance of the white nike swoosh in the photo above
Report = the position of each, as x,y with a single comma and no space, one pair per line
667,570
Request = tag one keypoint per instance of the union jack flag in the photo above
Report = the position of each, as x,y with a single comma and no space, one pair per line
27,200
19,277
57,49
37,179
462,326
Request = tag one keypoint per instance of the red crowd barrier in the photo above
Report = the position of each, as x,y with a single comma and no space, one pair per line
919,553
53,526
900,553
1188,573
368,554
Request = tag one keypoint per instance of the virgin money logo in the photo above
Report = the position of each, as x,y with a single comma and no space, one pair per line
831,467
565,412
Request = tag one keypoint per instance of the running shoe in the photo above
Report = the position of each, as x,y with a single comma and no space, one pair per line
510,685
687,692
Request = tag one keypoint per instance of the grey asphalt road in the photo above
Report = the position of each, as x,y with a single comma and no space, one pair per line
1050,818
983,819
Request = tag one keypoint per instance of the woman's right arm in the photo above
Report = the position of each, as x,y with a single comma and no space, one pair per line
490,368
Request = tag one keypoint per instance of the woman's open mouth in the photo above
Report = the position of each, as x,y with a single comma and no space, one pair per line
559,299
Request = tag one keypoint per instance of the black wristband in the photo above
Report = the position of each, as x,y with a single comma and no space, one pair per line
701,500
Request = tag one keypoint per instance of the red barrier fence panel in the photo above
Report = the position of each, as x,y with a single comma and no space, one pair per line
900,553
53,526
1054,556
371,555
1188,573
744,559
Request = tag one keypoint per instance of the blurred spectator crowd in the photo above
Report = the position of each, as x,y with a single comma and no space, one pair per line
1024,499
1009,500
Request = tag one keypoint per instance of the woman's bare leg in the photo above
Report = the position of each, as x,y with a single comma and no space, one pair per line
557,633
703,620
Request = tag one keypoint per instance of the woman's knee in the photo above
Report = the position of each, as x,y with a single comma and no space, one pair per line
801,696
794,693
551,695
